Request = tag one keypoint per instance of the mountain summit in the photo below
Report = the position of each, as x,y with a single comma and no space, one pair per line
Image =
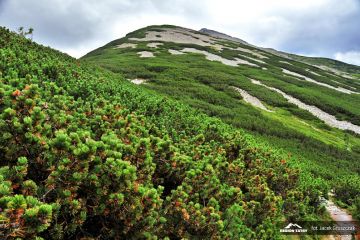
221,35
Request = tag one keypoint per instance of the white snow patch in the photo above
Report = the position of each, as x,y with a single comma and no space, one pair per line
285,62
180,35
126,45
327,118
240,61
251,99
339,89
175,52
138,81
312,72
154,44
145,54
213,57
254,59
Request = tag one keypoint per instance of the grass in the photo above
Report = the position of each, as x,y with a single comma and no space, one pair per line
313,130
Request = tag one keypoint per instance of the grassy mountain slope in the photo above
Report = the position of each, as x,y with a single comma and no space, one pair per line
347,70
337,67
321,150
334,66
86,154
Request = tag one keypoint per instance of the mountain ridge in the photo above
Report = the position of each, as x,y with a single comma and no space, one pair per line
293,56
222,35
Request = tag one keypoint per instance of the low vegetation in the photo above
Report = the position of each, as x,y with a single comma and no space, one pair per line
86,154
316,148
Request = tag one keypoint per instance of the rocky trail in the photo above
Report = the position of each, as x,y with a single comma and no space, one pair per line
338,215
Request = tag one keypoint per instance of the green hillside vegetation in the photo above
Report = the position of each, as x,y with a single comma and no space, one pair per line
86,154
320,150
334,66
340,66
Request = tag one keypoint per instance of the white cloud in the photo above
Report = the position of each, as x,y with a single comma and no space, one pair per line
351,57
312,27
306,26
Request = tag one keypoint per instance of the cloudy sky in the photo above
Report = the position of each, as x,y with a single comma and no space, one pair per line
329,28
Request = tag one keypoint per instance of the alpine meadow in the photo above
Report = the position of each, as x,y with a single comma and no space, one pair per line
173,133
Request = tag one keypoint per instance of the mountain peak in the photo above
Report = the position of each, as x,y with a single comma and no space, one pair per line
217,34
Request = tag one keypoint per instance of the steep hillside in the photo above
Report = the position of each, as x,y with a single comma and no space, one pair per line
311,113
85,154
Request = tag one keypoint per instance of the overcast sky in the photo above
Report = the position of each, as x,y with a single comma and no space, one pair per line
329,28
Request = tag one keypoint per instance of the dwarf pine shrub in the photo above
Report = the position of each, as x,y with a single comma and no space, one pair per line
83,154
